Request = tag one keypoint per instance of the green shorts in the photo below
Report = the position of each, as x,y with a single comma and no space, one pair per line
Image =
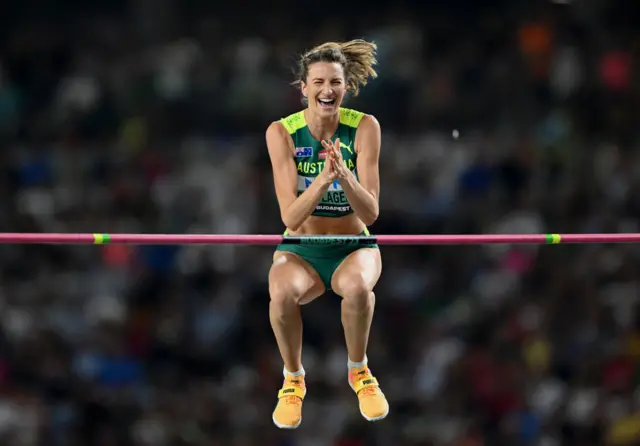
324,259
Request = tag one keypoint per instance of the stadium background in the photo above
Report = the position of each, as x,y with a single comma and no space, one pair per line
149,116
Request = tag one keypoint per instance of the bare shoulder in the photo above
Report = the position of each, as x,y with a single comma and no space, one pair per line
278,139
276,131
369,134
369,123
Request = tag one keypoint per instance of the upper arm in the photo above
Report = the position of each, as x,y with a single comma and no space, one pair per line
285,175
368,142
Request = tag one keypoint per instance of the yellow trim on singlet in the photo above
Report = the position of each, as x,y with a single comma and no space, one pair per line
350,117
296,121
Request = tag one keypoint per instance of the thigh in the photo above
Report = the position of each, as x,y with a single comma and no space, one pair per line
291,274
360,269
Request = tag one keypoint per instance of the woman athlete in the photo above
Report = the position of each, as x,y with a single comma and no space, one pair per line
325,169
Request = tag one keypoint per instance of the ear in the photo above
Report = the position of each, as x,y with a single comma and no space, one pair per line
303,88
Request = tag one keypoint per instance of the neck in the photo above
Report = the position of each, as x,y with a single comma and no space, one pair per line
322,127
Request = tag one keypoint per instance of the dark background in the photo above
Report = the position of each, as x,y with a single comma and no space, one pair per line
149,116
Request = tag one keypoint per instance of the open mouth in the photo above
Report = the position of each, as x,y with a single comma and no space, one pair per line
326,103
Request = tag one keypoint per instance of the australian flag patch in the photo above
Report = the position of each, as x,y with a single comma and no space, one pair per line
304,151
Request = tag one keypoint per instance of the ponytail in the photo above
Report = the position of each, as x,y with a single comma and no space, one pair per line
357,57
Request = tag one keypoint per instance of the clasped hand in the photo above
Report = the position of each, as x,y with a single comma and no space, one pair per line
334,167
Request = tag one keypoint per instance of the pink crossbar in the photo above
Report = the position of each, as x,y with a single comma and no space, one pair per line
249,239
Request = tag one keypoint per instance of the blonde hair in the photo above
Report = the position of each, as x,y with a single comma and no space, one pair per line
357,58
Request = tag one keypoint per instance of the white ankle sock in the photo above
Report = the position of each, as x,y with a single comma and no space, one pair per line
286,372
357,365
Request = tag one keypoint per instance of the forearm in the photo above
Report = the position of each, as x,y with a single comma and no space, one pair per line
303,206
361,200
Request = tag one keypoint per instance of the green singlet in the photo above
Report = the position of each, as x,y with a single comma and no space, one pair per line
310,157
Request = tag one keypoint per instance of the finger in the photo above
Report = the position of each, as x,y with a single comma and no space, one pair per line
326,144
332,154
328,163
336,144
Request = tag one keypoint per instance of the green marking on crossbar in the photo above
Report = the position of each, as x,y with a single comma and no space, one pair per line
553,239
101,239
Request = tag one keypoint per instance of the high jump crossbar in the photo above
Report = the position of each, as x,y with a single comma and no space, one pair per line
238,239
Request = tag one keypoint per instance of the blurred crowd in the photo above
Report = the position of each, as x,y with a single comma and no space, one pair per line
149,117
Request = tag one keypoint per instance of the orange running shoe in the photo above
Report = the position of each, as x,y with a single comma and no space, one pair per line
373,403
288,412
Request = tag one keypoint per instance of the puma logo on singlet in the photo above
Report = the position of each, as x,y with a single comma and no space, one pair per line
348,147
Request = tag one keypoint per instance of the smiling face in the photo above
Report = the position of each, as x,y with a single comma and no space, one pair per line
324,88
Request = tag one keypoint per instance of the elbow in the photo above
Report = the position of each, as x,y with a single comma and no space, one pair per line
371,217
292,228
291,225
369,221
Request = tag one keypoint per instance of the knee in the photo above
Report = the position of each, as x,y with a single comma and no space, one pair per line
286,291
355,290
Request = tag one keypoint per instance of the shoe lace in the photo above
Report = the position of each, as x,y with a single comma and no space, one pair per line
292,399
369,390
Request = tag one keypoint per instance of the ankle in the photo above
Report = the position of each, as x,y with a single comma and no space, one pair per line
299,373
357,364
